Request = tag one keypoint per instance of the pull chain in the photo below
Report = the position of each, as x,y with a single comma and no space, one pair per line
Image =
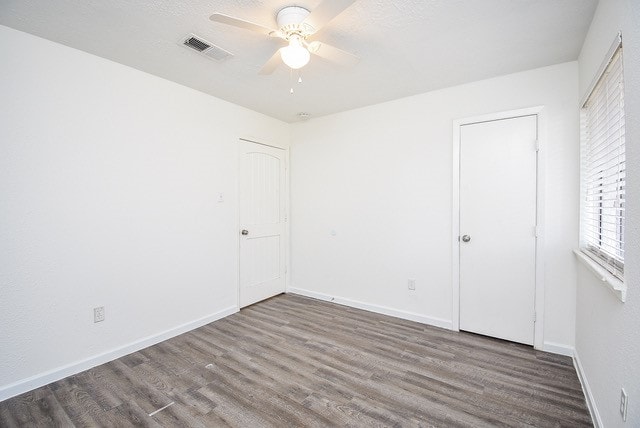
291,80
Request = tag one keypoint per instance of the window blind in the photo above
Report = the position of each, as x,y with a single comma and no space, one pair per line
603,169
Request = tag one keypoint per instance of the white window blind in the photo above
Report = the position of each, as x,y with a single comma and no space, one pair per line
603,169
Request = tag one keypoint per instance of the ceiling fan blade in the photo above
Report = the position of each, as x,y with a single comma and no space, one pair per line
240,23
273,63
333,54
326,11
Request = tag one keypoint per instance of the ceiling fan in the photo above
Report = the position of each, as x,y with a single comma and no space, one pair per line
296,25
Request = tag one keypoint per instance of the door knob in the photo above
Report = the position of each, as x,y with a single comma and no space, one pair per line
245,232
466,238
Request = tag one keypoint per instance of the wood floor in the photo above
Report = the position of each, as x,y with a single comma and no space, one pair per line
294,361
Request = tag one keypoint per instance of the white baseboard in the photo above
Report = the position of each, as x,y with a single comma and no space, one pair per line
558,348
591,402
411,316
41,379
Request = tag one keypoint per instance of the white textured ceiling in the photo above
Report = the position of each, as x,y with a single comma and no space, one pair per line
406,47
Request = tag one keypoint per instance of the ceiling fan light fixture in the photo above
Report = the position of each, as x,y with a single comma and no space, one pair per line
295,25
295,55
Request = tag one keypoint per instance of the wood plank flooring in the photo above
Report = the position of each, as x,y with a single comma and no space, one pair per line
295,361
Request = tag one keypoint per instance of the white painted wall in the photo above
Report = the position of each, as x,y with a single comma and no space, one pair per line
109,180
381,178
608,331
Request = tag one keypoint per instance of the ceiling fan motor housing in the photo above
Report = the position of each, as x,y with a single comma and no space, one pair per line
290,21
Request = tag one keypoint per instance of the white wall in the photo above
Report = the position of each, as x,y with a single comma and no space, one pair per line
608,331
381,178
109,180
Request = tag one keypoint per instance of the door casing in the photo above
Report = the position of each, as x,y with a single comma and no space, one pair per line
538,340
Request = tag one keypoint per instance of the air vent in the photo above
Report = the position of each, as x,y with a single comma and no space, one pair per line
205,48
196,44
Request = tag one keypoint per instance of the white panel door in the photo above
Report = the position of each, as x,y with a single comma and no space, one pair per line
262,222
497,227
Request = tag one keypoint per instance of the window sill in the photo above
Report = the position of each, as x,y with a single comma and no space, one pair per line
614,284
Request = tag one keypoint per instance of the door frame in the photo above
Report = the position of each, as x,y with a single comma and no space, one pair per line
287,214
538,111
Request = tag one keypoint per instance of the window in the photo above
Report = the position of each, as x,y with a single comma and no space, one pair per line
603,168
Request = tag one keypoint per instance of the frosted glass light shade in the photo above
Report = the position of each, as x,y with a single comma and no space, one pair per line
295,55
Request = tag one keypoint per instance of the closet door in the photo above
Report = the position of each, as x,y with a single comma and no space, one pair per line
497,228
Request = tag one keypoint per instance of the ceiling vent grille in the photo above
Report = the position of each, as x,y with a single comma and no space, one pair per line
205,48
197,44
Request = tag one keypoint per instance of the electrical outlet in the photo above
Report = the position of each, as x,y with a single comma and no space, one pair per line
624,401
98,314
412,284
